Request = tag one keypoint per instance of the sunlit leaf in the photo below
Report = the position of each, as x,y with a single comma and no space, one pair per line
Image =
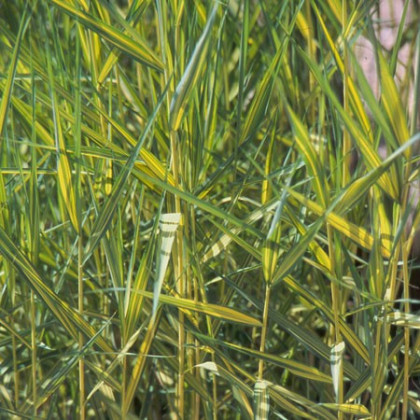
261,400
168,224
140,51
181,96
337,352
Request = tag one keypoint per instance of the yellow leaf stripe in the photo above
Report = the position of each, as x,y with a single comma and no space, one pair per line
355,233
71,320
139,51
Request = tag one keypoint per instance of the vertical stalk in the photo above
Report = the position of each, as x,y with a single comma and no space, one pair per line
169,70
311,53
179,276
335,290
15,367
189,280
33,353
346,136
335,298
124,385
214,391
82,395
406,294
377,369
78,196
201,292
178,266
264,330
242,68
34,239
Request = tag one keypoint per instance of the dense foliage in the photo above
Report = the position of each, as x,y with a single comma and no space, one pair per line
195,220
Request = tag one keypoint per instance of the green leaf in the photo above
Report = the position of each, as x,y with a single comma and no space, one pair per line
105,216
8,87
168,224
216,311
182,94
261,400
403,319
71,320
358,410
307,150
337,352
387,181
350,230
297,368
138,50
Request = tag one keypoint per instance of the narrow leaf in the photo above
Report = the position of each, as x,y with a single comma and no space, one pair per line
356,233
261,400
105,216
168,225
358,410
71,320
7,89
213,310
139,51
297,368
307,150
337,352
188,80
403,319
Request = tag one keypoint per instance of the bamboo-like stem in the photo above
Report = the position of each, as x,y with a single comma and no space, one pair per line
264,330
334,287
124,383
335,291
190,289
178,254
200,292
175,166
346,135
82,391
311,46
406,244
376,393
335,298
186,284
15,369
33,353
214,391
179,277
406,295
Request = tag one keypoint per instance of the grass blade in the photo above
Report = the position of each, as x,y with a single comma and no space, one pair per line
139,51
7,90
168,224
65,314
108,210
181,96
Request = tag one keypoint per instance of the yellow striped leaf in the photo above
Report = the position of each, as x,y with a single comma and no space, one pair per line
71,320
358,410
138,50
216,311
336,360
181,96
392,102
310,157
261,400
355,233
168,224
7,89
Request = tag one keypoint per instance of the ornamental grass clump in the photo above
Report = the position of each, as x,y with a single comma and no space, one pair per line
208,210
